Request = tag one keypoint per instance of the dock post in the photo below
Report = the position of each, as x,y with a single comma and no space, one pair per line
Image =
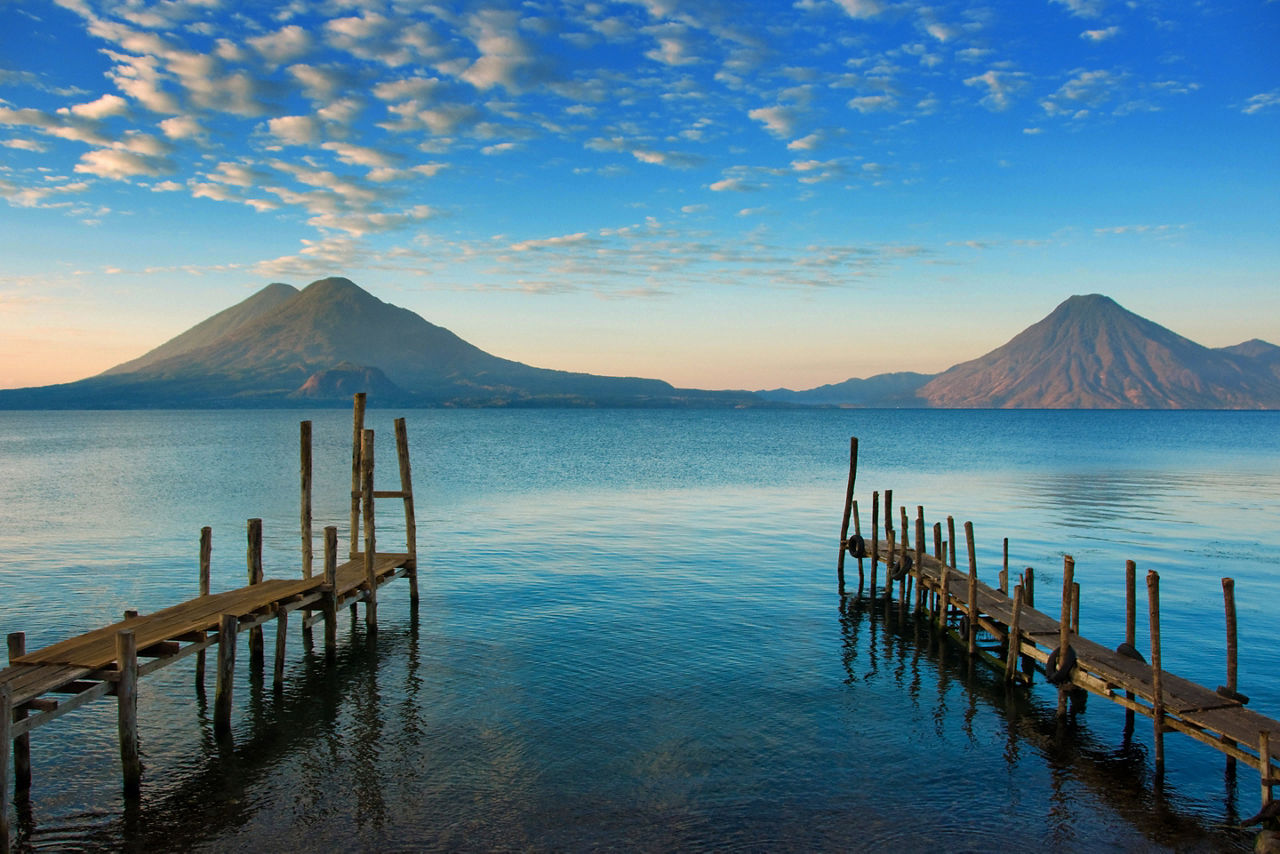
892,542
1264,765
206,556
227,631
951,540
1229,600
857,530
920,591
944,597
1130,627
6,728
875,541
907,578
331,590
888,511
357,437
282,635
1028,600
21,744
253,559
973,590
1004,569
1157,704
1075,608
410,519
1015,636
1064,627
370,542
304,453
937,553
848,508
127,711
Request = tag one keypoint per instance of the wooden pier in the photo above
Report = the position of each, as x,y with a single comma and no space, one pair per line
1003,628
40,686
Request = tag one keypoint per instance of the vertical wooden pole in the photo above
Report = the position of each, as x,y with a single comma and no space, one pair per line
304,452
1064,625
1157,704
1075,608
6,729
951,540
1229,601
907,577
127,711
875,540
937,540
1029,582
253,558
973,590
857,530
888,512
1264,765
891,542
357,439
848,508
945,595
22,744
227,631
1004,569
331,588
920,591
206,559
1130,627
1015,636
410,519
282,634
370,541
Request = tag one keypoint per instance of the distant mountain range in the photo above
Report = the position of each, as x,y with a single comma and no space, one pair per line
286,347
1089,353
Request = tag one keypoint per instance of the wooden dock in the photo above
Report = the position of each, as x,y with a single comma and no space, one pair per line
1004,628
40,686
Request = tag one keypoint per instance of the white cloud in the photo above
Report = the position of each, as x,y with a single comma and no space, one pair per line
780,121
807,143
499,148
23,145
284,45
733,185
1083,8
104,107
1100,35
182,127
861,8
119,164
294,130
1001,87
360,155
1085,91
1262,101
578,239
873,103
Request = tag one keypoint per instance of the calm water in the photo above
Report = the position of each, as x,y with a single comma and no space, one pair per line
629,635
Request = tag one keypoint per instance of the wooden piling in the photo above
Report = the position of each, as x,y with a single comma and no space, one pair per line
857,530
848,509
370,541
127,711
1264,765
1015,636
892,542
206,559
1029,582
357,439
944,596
227,631
1004,569
905,579
1064,627
920,591
331,590
1075,608
951,540
282,635
888,511
1229,601
304,452
1157,689
22,744
973,589
254,561
6,729
1130,628
937,540
875,541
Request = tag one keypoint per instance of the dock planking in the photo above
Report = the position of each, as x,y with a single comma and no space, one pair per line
42,685
1015,630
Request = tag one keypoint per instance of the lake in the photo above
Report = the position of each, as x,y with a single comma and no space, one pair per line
630,636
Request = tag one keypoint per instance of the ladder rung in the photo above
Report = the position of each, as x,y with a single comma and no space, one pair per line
397,493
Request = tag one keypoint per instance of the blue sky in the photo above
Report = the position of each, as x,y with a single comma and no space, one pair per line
719,194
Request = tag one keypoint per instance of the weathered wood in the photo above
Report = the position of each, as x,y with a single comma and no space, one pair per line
282,636
253,558
22,744
973,589
1004,569
6,735
1264,765
1075,608
331,586
228,629
857,530
206,561
891,541
1015,636
875,541
1064,626
905,578
888,512
127,711
357,439
304,453
951,540
1157,704
920,589
848,509
370,540
1229,602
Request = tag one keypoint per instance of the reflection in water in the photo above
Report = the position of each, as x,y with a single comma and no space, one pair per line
1084,773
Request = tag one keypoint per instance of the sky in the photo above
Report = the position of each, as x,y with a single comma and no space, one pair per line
719,194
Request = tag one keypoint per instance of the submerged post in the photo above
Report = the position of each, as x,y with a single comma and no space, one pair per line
848,508
22,744
357,435
973,590
857,532
6,728
1075,608
1130,627
304,451
410,520
1157,702
254,560
1064,631
1015,636
227,630
206,555
1229,601
127,711
920,591
875,540
1264,765
370,542
331,590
